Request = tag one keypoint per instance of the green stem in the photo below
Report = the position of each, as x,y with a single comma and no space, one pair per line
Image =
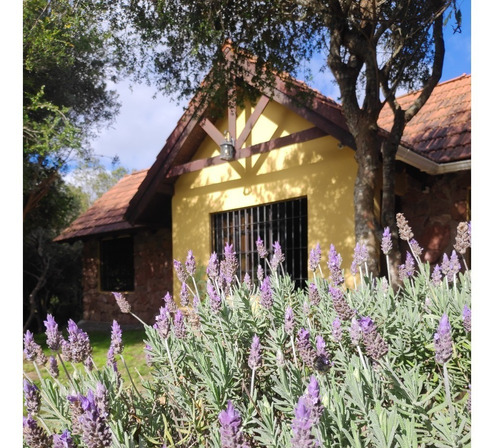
130,377
448,394
361,357
252,382
293,350
388,269
139,319
170,361
66,372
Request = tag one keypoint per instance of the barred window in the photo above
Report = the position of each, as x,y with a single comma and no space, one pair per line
117,264
285,222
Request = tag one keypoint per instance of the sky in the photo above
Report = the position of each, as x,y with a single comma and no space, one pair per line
145,122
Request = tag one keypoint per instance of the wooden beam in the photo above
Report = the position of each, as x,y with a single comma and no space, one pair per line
231,113
257,112
212,131
260,148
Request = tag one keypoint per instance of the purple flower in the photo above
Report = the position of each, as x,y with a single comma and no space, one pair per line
305,349
314,296
122,302
315,258
34,435
54,336
415,247
95,429
337,330
407,269
443,343
170,305
313,400
355,332
53,367
386,241
213,266
334,262
179,326
149,358
63,440
79,342
466,316
436,276
75,405
375,345
450,266
344,311
230,428
260,273
229,265
278,256
184,295
102,399
215,300
322,361
116,338
289,317
32,351
261,250
254,359
266,294
162,325
247,281
31,397
190,264
302,426
360,257
180,271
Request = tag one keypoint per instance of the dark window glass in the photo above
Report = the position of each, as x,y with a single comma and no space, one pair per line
285,222
117,264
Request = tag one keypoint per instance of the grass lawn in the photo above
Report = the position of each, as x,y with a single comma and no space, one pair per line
133,354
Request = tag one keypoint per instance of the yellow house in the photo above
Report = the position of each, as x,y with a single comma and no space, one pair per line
290,178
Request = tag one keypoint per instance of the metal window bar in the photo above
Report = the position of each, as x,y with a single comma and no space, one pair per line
285,222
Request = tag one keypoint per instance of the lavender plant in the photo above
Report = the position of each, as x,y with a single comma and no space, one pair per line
247,366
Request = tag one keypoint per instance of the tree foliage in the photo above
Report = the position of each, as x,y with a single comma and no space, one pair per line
374,50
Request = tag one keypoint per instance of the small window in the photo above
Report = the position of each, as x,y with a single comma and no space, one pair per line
117,264
285,222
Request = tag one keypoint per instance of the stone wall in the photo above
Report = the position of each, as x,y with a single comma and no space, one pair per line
434,206
153,278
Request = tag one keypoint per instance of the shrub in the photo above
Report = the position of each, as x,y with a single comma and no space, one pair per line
266,364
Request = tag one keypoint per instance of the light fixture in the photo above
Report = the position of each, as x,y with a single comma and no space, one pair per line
227,147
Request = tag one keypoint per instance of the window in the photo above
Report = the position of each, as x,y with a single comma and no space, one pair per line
117,264
285,222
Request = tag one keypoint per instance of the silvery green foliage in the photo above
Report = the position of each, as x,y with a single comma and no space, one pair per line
396,399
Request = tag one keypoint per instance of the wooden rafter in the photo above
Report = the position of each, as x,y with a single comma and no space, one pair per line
260,148
257,112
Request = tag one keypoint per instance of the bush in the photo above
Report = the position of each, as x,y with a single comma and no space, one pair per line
274,366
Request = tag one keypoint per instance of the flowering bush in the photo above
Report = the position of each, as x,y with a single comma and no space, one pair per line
266,364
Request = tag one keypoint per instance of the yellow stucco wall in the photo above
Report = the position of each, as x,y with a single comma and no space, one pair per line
317,169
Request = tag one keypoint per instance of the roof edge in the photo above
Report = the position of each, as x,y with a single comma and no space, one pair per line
428,166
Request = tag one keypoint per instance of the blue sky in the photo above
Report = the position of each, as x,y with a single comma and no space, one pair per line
144,123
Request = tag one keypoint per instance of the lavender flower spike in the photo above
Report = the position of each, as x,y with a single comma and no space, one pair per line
314,258
116,338
466,316
53,367
180,271
301,426
322,361
213,266
32,397
278,256
386,241
443,343
230,428
95,430
261,250
305,349
254,359
34,435
266,294
405,232
122,302
179,326
355,332
79,342
162,325
334,262
54,336
313,400
337,330
63,440
190,264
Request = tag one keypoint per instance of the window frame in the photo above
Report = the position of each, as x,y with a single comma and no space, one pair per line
105,283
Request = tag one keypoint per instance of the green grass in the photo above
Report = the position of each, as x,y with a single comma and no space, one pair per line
133,353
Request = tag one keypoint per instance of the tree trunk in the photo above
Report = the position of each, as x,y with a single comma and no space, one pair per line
366,224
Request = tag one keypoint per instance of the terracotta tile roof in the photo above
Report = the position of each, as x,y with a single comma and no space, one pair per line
107,213
441,131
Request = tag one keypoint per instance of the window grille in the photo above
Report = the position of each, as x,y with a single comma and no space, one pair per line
117,264
285,222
